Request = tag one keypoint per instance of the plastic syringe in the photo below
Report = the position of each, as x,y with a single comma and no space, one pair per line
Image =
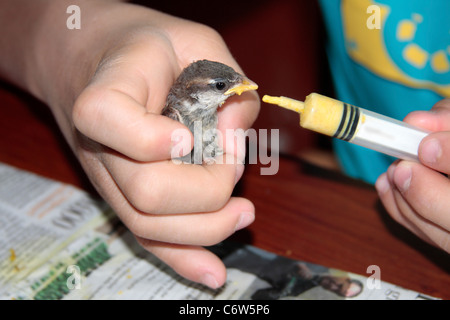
356,125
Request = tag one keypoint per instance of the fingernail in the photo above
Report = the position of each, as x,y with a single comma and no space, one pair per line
382,184
245,219
431,151
209,280
402,176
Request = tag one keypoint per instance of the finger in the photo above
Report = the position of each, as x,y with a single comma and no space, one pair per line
200,229
437,119
117,121
418,224
389,197
173,187
403,213
434,151
144,68
193,263
425,192
121,106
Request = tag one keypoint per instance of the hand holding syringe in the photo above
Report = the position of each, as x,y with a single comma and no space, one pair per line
356,125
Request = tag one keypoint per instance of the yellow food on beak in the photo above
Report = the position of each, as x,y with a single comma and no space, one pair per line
245,85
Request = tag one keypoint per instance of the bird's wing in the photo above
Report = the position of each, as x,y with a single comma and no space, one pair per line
174,114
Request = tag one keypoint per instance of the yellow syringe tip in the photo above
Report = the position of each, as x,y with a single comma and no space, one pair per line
272,100
285,102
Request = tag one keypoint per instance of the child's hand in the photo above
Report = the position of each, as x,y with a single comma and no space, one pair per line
172,209
418,195
106,84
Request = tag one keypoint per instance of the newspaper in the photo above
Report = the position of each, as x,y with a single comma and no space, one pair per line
57,242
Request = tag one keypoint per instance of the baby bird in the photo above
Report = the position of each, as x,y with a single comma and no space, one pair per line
194,98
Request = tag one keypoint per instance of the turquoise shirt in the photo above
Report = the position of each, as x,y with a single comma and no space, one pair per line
389,56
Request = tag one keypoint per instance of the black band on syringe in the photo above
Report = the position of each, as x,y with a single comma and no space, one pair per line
349,123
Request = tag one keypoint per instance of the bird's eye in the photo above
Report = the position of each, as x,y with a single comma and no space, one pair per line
220,85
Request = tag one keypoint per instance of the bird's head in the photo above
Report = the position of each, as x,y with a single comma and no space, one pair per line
208,84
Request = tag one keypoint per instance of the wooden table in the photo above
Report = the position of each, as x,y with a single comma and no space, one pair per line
303,212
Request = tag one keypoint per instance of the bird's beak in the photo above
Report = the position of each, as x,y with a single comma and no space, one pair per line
245,85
